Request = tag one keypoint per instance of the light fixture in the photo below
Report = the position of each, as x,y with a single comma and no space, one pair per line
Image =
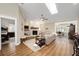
52,8
43,18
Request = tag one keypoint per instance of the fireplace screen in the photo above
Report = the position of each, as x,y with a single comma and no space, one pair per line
34,32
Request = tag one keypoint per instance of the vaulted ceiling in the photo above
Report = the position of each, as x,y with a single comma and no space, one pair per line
66,11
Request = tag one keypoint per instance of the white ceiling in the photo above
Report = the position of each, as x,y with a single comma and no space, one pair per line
66,11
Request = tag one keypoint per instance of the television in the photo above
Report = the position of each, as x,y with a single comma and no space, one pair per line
35,33
26,27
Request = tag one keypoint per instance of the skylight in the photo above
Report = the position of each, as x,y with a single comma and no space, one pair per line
52,8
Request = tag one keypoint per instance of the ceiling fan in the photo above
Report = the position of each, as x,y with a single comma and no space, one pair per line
43,18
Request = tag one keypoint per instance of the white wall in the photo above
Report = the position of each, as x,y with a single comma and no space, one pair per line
20,26
9,10
78,25
48,27
42,26
13,11
0,33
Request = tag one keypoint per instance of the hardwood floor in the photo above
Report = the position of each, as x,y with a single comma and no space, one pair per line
60,47
0,51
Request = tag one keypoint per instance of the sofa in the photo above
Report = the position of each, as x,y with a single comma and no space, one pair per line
50,38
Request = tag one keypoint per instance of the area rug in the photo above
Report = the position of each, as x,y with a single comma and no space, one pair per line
31,44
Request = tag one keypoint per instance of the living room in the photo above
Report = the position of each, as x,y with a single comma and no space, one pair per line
37,29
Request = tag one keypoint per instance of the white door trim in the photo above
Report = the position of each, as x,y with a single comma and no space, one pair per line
12,18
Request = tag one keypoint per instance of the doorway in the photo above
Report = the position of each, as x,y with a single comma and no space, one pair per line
63,27
8,35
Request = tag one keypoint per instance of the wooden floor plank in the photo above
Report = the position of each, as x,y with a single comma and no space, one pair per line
60,47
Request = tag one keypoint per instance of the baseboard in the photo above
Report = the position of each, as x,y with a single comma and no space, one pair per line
0,52
17,43
0,47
